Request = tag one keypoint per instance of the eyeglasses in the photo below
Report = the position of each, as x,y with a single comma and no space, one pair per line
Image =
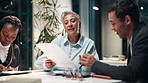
6,35
73,74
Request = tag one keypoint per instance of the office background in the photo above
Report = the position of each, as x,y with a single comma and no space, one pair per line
94,21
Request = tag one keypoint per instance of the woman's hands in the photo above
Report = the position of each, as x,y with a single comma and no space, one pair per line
3,68
49,63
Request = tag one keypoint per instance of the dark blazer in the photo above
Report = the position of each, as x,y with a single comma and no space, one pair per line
137,68
13,56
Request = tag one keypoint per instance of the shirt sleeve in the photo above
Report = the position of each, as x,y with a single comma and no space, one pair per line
57,40
40,62
92,50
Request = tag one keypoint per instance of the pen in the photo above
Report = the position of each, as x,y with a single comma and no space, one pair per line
101,76
7,67
52,64
80,66
80,62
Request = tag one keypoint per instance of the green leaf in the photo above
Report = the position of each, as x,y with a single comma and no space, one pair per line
48,13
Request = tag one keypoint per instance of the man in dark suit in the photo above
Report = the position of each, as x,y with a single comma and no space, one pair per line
9,52
124,18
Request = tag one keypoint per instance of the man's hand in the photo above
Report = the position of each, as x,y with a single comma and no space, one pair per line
49,63
87,60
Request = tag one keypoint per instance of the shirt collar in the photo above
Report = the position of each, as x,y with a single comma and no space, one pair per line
80,41
130,40
4,47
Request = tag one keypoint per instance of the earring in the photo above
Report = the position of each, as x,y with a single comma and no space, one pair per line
78,30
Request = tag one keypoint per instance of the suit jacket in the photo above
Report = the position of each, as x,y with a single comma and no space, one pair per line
137,68
13,56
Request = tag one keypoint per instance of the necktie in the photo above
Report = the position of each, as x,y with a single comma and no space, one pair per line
129,54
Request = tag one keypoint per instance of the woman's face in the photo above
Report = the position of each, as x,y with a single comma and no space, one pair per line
71,24
8,34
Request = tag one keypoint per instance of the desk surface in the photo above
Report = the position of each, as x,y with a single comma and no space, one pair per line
47,78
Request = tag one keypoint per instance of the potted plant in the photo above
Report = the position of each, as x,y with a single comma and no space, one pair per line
49,14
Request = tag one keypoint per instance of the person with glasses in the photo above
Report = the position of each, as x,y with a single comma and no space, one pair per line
9,52
73,43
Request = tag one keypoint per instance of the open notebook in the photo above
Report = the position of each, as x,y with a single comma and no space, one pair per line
6,73
54,52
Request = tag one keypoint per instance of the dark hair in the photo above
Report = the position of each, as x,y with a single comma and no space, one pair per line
125,7
10,20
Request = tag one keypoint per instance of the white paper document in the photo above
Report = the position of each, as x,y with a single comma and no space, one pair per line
54,52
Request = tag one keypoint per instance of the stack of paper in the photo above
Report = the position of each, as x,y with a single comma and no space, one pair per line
54,52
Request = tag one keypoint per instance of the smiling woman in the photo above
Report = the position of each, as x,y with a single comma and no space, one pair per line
71,24
73,43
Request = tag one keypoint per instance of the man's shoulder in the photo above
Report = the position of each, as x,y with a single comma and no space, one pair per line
143,30
141,33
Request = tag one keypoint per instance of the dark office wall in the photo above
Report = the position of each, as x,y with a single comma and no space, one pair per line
95,25
76,6
94,21
143,6
25,38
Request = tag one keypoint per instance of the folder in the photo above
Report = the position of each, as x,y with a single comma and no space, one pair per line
6,73
22,80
